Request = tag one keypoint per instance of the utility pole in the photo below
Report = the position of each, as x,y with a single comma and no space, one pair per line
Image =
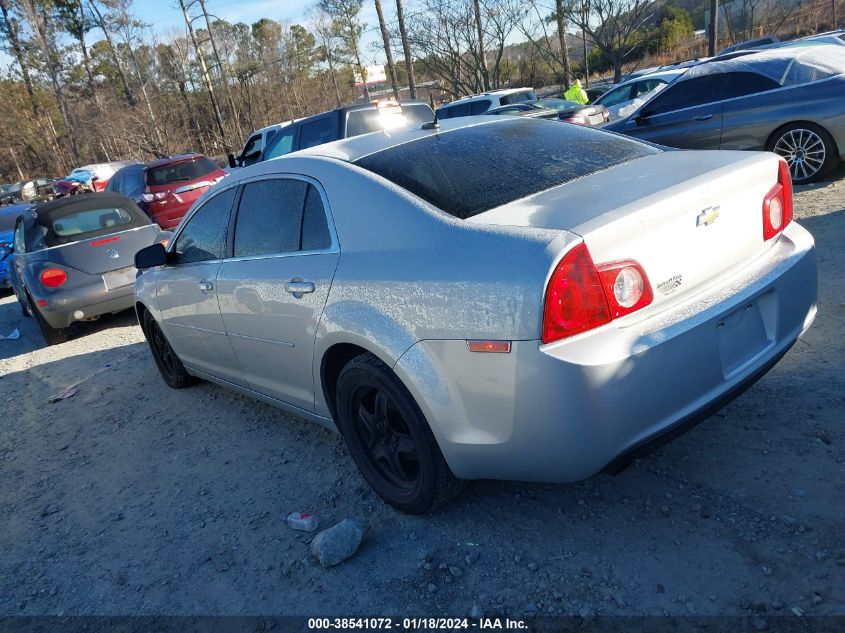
406,48
714,27
222,70
391,68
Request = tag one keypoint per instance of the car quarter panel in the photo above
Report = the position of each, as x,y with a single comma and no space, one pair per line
564,411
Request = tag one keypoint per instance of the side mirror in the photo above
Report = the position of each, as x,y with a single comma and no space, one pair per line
642,116
232,162
151,256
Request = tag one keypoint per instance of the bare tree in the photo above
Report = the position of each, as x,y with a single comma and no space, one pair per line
616,27
391,67
485,72
406,48
348,28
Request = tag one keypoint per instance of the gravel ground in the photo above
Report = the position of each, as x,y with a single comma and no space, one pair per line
131,498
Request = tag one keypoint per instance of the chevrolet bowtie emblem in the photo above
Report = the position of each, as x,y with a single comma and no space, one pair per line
708,216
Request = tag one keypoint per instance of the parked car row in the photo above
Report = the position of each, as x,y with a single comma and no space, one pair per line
27,190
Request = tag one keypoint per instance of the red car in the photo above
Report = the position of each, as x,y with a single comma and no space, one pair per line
166,188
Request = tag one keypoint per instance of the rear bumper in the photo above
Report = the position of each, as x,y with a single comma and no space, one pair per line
92,300
565,411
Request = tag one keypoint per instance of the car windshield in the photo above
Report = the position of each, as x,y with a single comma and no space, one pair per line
473,169
180,171
375,120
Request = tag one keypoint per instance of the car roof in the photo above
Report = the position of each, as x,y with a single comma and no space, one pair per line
172,159
504,92
351,149
84,202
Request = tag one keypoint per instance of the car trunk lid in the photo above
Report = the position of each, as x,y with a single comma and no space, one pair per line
103,253
687,218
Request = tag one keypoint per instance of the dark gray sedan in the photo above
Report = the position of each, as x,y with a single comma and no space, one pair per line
73,259
785,100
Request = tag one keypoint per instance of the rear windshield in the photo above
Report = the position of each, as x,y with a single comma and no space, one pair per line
89,223
470,170
374,120
180,172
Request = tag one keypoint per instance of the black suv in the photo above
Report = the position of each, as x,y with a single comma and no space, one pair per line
344,123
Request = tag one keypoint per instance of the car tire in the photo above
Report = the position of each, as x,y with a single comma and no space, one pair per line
389,438
808,149
171,368
52,335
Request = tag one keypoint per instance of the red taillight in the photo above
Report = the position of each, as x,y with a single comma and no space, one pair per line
53,277
625,286
155,197
581,296
575,300
777,205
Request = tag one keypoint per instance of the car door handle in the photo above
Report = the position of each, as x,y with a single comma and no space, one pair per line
205,286
297,287
703,117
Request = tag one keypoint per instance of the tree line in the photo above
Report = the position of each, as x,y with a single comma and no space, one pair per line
91,81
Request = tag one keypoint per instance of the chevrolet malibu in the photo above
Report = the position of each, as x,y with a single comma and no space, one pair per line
474,301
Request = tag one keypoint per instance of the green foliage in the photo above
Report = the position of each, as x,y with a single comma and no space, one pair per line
675,26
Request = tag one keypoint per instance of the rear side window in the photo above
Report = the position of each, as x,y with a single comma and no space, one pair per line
742,84
479,107
518,97
450,112
270,217
315,228
317,132
470,170
77,225
181,171
685,94
204,237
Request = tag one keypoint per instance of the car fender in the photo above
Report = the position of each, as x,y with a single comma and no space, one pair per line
145,293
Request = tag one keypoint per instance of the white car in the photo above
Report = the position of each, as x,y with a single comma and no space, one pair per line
623,99
479,104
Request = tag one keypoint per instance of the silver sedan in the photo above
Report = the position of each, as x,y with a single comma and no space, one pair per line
478,301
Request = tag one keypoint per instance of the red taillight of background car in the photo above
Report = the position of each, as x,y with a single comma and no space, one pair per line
581,296
777,205
52,277
155,197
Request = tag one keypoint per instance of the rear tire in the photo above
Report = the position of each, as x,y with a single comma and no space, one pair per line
808,149
389,438
52,335
171,368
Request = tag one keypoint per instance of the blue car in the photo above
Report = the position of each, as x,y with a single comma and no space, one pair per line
8,215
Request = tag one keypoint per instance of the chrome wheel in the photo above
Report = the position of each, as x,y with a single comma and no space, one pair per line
804,152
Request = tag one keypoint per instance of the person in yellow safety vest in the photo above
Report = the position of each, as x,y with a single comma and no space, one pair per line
576,93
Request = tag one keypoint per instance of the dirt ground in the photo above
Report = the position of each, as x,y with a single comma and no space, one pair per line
131,498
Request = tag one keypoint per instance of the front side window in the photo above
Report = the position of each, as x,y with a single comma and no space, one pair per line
282,144
204,237
252,150
615,96
686,94
317,132
270,217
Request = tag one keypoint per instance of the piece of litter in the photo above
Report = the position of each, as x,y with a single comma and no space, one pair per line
14,335
70,392
302,521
